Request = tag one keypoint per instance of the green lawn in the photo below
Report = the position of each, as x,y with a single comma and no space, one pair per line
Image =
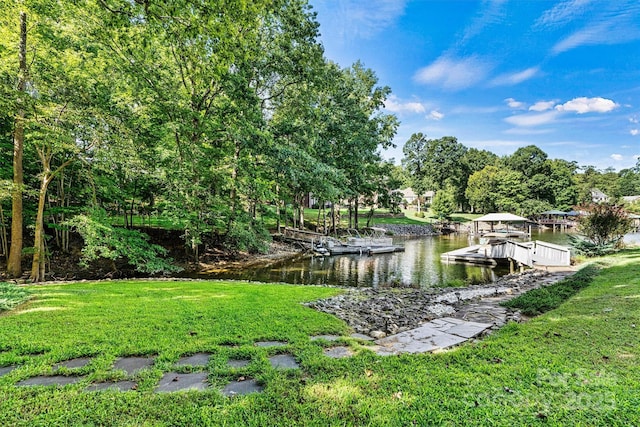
576,365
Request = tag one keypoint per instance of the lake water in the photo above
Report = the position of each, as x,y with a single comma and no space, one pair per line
419,265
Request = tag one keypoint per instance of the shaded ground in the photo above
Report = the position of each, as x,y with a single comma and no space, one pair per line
212,258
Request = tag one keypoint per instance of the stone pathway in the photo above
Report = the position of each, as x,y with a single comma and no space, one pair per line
439,334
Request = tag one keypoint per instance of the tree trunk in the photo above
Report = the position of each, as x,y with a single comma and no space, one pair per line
3,234
355,213
39,254
14,264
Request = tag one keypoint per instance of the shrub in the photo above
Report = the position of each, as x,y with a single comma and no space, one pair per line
538,301
603,228
12,295
103,240
247,235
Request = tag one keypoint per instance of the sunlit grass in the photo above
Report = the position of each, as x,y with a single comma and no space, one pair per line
574,365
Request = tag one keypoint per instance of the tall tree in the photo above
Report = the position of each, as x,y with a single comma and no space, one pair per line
14,263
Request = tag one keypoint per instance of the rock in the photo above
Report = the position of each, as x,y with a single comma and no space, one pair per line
390,311
377,334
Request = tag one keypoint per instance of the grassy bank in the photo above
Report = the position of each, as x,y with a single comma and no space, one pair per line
576,365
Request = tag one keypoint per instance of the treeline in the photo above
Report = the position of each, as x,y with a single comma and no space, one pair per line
211,114
526,182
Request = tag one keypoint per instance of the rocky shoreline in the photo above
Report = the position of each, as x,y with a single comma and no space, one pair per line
381,312
409,229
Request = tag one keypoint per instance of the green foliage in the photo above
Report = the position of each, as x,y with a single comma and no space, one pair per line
12,295
541,300
248,235
103,240
604,224
419,214
444,203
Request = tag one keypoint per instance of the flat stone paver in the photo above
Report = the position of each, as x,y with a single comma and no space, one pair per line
6,369
438,334
132,365
284,361
77,363
271,343
330,338
173,381
238,388
48,380
238,363
198,359
338,352
117,385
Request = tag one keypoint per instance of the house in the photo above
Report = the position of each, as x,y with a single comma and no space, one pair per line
410,196
598,196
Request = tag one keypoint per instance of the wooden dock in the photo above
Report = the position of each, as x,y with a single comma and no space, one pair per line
524,254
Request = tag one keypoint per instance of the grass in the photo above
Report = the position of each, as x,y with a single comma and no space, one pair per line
575,365
541,300
12,296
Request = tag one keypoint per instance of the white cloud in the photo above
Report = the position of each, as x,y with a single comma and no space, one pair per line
633,120
542,106
617,157
394,105
511,79
454,74
512,103
363,19
605,24
563,12
526,120
584,105
435,115
635,132
492,13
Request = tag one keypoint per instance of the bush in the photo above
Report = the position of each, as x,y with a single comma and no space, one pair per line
12,295
538,301
246,235
103,240
603,228
419,214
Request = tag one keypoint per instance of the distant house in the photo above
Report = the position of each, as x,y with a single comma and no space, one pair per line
598,196
410,196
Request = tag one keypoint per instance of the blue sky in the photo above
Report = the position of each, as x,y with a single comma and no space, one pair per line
501,74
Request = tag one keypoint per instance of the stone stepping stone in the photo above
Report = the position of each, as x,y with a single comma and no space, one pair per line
6,369
77,363
238,363
338,352
132,365
60,380
362,337
245,386
118,386
423,339
198,359
330,338
284,361
173,381
271,343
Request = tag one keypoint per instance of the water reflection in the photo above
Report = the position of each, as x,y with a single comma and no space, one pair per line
419,265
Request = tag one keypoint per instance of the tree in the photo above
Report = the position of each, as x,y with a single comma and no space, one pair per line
414,163
529,161
444,203
603,226
14,263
